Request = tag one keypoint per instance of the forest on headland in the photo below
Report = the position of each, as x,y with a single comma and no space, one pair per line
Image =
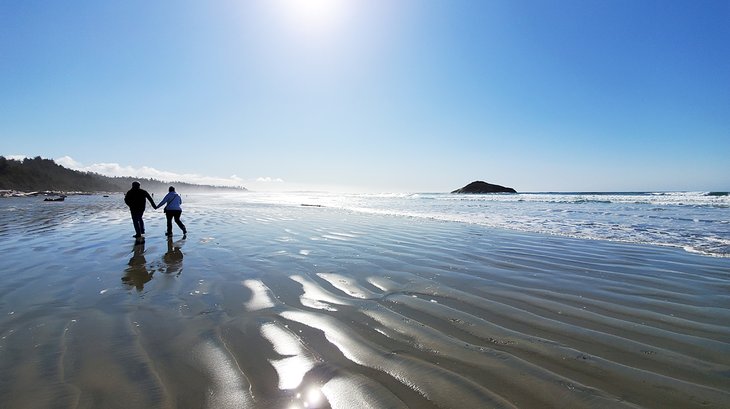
45,175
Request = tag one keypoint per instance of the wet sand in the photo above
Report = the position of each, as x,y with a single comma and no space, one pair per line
296,306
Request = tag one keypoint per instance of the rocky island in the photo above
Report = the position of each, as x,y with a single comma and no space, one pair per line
484,187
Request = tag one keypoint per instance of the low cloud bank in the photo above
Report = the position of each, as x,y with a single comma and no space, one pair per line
115,169
146,172
269,180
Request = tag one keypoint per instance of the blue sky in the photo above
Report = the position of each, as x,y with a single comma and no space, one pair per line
374,95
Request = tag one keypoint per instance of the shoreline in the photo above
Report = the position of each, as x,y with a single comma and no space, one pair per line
714,248
516,227
279,306
18,193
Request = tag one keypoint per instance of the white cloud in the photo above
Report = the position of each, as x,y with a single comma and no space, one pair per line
269,179
115,169
67,162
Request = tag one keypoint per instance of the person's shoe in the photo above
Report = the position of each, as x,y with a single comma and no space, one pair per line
136,236
168,234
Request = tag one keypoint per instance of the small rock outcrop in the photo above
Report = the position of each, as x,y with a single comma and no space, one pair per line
484,187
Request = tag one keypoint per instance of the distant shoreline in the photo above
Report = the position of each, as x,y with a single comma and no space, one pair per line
18,193
31,177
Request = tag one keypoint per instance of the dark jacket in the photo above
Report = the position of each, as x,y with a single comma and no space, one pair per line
135,199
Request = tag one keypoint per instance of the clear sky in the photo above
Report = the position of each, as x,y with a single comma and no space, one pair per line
374,95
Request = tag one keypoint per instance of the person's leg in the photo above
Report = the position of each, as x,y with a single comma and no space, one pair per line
179,223
141,222
168,215
136,221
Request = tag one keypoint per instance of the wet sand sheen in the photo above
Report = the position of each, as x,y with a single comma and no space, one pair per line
293,307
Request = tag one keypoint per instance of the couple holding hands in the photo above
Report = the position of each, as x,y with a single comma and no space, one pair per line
135,199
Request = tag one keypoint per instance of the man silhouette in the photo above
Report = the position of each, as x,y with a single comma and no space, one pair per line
135,199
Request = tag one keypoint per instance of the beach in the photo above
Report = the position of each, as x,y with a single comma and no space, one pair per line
290,306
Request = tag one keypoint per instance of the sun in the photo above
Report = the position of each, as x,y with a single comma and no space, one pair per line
312,16
315,11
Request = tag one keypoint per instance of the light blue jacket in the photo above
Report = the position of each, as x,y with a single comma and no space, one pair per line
173,200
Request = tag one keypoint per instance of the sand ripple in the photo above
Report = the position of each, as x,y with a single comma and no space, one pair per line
305,307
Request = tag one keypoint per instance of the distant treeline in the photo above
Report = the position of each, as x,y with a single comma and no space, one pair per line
38,174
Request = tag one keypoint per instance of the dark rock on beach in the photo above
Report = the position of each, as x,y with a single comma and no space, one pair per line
484,187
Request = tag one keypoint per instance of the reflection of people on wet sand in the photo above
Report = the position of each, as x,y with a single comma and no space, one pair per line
136,275
173,258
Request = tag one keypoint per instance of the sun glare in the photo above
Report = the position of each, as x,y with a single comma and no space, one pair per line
312,16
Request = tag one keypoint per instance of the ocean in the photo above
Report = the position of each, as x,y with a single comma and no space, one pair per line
330,301
697,222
